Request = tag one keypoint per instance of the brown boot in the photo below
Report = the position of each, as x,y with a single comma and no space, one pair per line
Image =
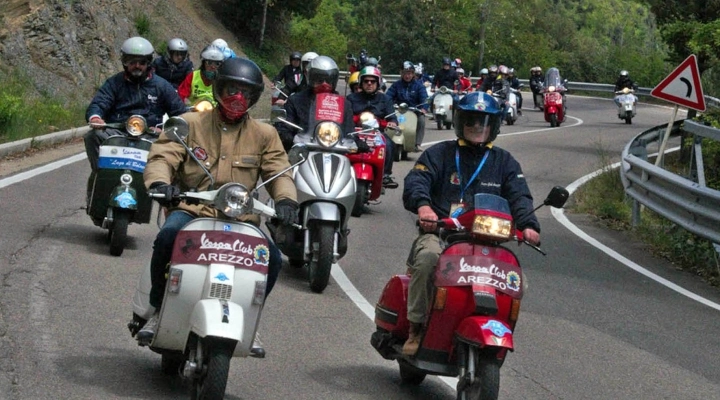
410,348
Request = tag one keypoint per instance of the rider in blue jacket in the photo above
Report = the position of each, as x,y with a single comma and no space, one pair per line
412,92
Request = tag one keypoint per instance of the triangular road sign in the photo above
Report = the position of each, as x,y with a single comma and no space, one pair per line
682,86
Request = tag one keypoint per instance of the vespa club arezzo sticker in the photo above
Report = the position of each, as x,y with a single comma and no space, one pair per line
222,247
467,270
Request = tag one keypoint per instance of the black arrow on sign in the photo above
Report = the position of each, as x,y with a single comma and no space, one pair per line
689,86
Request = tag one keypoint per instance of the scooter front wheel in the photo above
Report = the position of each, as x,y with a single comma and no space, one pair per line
553,121
323,238
361,198
409,374
214,365
486,385
118,231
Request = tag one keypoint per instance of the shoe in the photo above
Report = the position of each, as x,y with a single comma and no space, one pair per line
389,182
418,148
519,111
412,344
257,350
147,333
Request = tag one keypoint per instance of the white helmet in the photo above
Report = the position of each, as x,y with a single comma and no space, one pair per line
306,58
460,71
222,44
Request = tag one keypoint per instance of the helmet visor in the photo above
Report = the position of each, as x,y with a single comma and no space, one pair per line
477,127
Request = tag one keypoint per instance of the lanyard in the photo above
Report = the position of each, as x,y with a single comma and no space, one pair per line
472,178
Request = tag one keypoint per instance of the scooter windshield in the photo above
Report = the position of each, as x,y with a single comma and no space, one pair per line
552,77
491,202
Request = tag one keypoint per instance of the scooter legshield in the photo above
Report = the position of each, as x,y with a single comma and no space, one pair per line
485,331
217,318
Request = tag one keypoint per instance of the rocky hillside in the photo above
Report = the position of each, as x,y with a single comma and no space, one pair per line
69,47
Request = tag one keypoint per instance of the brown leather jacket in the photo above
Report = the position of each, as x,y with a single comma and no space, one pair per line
240,153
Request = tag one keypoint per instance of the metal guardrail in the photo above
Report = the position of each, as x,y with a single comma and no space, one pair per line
685,202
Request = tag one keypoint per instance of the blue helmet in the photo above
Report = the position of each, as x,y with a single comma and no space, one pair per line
477,105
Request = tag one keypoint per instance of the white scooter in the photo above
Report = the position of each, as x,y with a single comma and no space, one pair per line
442,104
512,105
625,100
404,138
216,285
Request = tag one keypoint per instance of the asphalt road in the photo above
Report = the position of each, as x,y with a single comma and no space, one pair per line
589,328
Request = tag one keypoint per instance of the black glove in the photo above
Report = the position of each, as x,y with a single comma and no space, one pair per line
171,193
361,145
286,211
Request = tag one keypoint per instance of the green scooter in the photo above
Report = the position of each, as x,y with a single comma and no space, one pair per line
116,191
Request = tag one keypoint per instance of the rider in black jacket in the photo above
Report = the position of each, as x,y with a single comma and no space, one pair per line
291,74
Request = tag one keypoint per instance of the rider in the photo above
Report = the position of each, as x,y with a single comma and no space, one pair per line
623,81
291,74
412,92
175,64
381,106
323,74
304,62
197,85
515,84
136,90
464,85
233,147
354,82
223,46
445,76
482,78
446,177
537,82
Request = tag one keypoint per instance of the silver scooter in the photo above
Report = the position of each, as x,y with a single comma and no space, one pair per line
326,190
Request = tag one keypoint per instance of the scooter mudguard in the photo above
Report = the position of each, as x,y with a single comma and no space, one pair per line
217,318
324,211
364,172
551,110
485,331
123,197
391,309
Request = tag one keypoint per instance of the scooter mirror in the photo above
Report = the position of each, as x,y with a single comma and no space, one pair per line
298,154
403,107
557,197
177,129
277,113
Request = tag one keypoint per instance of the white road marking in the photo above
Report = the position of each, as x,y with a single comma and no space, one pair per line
41,170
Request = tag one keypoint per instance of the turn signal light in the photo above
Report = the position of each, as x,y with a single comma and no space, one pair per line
514,310
174,280
440,298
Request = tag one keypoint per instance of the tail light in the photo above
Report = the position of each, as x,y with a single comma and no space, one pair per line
259,296
175,280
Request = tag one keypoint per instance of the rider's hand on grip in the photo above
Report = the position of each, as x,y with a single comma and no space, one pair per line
286,211
361,145
96,123
171,193
427,218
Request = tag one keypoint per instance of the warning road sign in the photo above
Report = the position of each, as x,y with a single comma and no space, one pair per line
682,86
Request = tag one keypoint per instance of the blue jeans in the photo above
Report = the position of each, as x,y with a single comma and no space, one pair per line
162,250
389,154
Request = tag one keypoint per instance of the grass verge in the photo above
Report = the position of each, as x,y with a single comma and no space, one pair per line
604,199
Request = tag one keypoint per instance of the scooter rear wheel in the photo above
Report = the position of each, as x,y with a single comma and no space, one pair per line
118,231
410,375
323,236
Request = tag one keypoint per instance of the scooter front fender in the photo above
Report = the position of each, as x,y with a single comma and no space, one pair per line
323,211
551,110
217,318
124,198
364,172
485,331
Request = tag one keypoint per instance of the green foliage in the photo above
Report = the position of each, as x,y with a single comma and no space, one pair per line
23,115
321,33
142,24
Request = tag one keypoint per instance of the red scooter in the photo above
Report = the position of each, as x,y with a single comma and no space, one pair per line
554,98
478,286
368,166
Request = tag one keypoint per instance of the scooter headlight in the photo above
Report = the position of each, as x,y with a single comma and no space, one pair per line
551,88
488,225
136,125
126,179
233,200
327,133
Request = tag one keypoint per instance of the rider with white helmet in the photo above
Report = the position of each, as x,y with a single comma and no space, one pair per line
175,64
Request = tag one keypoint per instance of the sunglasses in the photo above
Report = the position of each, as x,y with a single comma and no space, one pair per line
372,81
213,63
137,62
475,119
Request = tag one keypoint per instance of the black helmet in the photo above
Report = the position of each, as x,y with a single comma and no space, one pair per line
478,105
323,68
295,55
446,61
243,71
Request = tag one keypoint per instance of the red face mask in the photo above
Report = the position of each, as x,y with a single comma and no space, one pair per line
323,88
234,107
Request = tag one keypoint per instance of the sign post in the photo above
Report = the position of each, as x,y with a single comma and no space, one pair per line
683,88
